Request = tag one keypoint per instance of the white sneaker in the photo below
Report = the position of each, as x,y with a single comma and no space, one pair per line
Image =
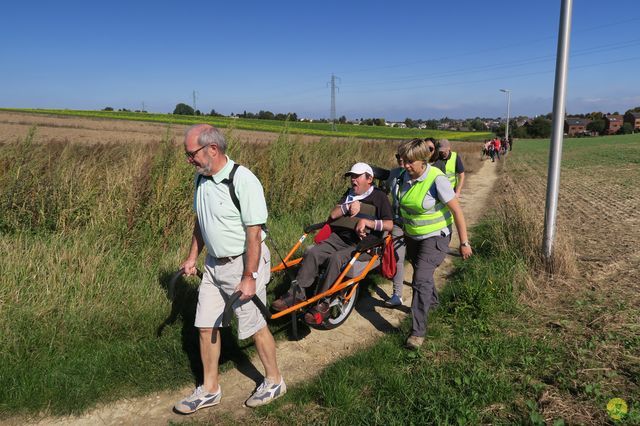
198,399
266,392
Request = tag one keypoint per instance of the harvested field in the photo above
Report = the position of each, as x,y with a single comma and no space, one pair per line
597,312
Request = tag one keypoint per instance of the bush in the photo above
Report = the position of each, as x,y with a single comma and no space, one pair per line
183,109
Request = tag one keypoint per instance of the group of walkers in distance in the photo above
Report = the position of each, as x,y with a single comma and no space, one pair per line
495,147
230,214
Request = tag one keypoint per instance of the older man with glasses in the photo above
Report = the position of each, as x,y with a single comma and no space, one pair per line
230,210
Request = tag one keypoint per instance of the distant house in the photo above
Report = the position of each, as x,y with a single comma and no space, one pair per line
612,124
575,126
633,118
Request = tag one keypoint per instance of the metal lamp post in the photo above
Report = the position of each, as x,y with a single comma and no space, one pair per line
508,92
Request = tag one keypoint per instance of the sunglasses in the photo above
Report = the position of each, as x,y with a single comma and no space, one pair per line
191,154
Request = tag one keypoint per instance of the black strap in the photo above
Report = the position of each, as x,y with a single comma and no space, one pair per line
232,191
229,182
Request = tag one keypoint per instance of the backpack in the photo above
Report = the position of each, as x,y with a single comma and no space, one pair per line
229,182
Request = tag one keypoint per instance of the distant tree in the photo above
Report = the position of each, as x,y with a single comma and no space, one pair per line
431,124
265,115
626,129
409,122
596,115
478,125
596,126
342,119
519,132
183,109
213,113
107,109
539,127
379,122
198,112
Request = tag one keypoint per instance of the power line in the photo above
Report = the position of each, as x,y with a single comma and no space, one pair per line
503,77
518,44
500,66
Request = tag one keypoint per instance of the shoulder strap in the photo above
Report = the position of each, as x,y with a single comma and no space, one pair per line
227,181
232,191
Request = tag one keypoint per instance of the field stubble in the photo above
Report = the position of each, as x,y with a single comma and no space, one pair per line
594,310
90,233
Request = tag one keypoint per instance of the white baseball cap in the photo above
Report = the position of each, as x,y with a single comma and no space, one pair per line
359,168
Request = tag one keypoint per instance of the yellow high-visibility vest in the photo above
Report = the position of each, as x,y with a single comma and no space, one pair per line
450,169
415,219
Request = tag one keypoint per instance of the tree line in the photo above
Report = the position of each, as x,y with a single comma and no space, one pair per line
539,127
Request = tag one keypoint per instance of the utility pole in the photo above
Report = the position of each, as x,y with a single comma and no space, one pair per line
508,92
194,102
142,110
333,101
555,149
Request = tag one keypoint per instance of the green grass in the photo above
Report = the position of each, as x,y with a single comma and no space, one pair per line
477,366
584,152
89,237
493,354
90,234
318,129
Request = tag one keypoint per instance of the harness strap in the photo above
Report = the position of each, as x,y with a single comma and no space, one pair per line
229,182
232,191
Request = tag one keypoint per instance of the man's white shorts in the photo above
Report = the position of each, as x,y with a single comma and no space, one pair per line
219,281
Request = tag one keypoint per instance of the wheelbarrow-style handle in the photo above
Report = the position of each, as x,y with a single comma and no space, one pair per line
228,308
171,289
314,227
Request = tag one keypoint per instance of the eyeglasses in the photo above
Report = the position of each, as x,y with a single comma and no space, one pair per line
191,155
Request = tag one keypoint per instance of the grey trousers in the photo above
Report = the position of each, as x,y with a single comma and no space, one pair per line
426,255
401,249
334,252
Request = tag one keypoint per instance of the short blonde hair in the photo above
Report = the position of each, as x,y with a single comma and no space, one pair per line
415,149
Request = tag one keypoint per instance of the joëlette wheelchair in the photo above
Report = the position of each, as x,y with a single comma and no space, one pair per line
341,295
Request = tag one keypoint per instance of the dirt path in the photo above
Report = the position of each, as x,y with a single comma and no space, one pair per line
299,360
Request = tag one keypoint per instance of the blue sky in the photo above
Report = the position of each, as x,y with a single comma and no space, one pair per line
419,59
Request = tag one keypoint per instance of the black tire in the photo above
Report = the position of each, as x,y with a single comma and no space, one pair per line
339,311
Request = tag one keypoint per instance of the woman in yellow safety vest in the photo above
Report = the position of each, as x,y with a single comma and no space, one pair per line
428,208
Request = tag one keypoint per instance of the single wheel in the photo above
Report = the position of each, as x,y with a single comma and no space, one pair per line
340,309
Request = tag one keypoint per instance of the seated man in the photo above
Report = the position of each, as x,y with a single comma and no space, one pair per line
362,208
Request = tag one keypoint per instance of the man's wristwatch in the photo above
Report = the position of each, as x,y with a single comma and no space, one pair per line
465,244
253,275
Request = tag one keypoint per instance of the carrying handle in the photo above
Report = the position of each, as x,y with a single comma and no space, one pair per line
228,308
171,289
314,227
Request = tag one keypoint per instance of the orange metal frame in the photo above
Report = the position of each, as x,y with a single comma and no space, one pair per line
337,286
